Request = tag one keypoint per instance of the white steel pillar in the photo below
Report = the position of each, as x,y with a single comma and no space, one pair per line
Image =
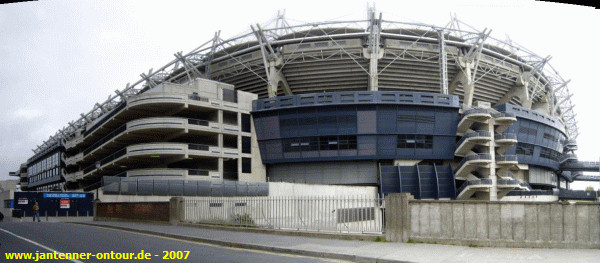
374,53
443,63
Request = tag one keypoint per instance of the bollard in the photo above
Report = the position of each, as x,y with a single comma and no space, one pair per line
46,213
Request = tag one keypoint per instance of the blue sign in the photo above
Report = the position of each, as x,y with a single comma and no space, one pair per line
63,195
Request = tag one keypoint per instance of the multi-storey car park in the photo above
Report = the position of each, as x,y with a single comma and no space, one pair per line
441,112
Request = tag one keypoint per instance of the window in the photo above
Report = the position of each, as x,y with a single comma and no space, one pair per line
347,142
549,154
328,143
409,141
246,165
229,95
526,130
424,141
550,137
246,145
245,122
406,141
525,149
309,144
291,145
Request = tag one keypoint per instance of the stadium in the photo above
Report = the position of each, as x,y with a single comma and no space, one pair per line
440,112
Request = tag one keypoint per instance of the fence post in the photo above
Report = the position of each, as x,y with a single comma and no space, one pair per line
176,210
397,217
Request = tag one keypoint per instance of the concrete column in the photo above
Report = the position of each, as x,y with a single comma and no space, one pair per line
397,219
373,72
492,150
220,167
176,211
220,137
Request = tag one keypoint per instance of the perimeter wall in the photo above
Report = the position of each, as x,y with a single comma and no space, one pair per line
505,224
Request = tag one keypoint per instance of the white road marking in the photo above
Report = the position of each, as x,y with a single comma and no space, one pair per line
38,244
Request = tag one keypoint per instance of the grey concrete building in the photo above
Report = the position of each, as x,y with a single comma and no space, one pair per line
200,130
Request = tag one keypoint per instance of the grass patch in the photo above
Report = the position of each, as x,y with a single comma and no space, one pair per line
472,245
380,239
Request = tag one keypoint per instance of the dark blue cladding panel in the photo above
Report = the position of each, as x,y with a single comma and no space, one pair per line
540,138
386,119
416,126
422,181
386,145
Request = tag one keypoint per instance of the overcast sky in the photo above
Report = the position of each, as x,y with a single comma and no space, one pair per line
58,58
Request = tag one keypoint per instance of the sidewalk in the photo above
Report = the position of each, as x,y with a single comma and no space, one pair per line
357,251
52,219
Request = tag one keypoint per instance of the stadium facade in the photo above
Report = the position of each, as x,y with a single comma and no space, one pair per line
441,112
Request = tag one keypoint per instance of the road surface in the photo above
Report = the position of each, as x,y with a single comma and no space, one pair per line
92,243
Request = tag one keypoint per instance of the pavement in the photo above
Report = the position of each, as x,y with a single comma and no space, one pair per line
52,219
350,250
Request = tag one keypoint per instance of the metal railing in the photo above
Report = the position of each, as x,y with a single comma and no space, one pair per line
568,157
474,182
505,136
525,185
106,160
352,214
198,122
577,195
479,156
486,134
106,138
506,158
530,193
507,182
198,147
197,97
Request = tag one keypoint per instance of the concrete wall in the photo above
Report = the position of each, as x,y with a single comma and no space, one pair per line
508,224
531,198
7,212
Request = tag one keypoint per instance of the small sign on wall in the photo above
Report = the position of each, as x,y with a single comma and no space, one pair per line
23,201
65,203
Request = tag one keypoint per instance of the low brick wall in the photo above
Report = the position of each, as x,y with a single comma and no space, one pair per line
147,211
506,224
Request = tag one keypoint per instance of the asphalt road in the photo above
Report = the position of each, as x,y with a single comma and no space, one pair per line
70,238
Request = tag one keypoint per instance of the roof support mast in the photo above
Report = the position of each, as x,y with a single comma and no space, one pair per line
272,62
467,64
443,63
374,53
